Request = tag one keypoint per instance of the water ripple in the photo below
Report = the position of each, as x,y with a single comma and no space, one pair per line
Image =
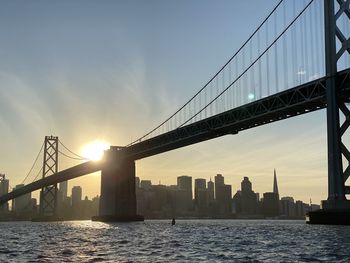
187,241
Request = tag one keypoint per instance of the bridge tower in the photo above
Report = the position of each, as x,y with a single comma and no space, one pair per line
336,208
118,194
48,194
336,148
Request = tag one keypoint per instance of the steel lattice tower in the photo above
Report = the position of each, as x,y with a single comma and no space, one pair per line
337,150
48,195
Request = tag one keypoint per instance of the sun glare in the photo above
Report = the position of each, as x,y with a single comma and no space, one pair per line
94,150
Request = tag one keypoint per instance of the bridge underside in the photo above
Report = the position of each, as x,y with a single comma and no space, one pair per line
299,100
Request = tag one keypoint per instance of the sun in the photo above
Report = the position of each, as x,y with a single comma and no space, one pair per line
94,150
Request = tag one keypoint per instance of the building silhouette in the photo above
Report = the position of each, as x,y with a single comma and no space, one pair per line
211,196
288,207
199,184
63,189
271,204
300,209
76,196
275,186
22,205
4,188
184,194
223,197
201,196
219,182
249,200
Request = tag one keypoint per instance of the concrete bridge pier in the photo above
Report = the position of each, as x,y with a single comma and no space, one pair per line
118,196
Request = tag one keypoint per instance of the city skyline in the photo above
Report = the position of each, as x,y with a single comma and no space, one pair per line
197,198
273,173
188,198
94,95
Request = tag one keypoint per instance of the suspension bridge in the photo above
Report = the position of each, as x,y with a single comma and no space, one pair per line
296,61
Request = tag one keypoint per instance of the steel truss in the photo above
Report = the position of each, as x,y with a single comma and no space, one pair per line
299,100
344,150
48,194
344,8
337,176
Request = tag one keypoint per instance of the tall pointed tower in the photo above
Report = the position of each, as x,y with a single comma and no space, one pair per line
275,186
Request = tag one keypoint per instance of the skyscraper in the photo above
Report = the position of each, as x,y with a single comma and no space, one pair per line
184,182
199,184
22,203
219,182
271,200
249,201
271,205
200,195
64,190
275,186
184,193
287,206
76,196
210,191
246,185
223,195
4,188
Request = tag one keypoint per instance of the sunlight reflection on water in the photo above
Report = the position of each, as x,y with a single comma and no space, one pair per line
158,241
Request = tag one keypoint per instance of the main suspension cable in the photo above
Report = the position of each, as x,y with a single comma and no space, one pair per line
258,58
36,159
215,75
65,147
72,157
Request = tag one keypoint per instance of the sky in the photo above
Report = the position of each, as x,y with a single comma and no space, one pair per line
112,70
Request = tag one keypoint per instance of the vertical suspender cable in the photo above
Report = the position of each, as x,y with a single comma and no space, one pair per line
302,66
229,81
237,89
321,23
307,53
285,55
267,60
312,41
275,51
294,49
252,72
244,85
259,68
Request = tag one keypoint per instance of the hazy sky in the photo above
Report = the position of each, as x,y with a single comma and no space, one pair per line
112,70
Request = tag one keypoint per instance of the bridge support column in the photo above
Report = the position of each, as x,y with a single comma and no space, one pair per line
118,196
336,209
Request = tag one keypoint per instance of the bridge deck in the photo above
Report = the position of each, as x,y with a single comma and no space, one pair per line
70,173
289,103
